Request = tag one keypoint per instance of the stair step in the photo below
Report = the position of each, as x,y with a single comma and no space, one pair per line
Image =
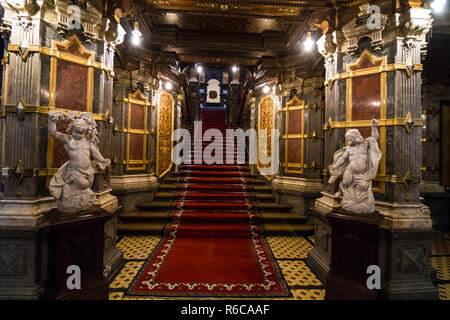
273,207
168,186
145,216
140,228
262,189
158,228
288,229
208,168
154,206
213,195
161,216
283,216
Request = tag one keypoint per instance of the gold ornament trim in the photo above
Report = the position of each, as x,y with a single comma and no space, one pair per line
294,104
266,120
132,97
164,134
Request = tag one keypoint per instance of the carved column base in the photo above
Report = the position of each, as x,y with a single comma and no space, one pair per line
404,261
23,262
435,198
113,257
320,256
132,189
297,192
25,213
107,201
327,203
404,216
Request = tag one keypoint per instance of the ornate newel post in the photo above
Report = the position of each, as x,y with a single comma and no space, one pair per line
53,63
374,71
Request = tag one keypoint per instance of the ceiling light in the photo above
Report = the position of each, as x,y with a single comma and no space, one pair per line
235,68
199,69
266,89
308,43
438,5
168,86
136,38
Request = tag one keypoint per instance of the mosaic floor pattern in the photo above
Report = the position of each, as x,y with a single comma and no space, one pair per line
290,253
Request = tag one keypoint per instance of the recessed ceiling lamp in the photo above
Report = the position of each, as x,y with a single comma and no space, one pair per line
438,5
266,89
136,38
168,86
235,68
308,43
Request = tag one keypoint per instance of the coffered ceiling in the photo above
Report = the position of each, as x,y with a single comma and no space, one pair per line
228,31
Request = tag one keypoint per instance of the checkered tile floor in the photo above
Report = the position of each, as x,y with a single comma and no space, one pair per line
440,259
290,253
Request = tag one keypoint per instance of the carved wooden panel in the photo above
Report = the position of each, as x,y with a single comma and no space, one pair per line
266,121
293,137
71,88
164,138
366,100
136,157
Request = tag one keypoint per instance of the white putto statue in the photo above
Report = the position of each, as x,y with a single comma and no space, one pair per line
358,165
72,182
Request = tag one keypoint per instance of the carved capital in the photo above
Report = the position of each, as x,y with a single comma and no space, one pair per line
369,23
327,45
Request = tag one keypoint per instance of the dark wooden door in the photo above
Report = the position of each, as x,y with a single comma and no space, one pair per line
445,145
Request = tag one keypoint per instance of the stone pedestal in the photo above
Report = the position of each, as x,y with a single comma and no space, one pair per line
113,257
132,189
298,192
23,262
77,241
354,249
406,271
319,257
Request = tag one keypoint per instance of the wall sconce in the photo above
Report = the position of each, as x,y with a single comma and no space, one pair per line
136,38
308,43
438,5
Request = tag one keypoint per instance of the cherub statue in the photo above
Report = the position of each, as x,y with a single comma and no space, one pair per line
358,165
72,182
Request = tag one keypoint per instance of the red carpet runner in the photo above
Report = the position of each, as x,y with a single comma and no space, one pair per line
215,244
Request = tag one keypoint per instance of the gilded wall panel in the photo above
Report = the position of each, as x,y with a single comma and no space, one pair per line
164,137
266,121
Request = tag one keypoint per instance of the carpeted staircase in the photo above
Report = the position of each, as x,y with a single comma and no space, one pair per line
212,195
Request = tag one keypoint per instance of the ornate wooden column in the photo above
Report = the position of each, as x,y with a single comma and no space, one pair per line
299,180
376,73
134,136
